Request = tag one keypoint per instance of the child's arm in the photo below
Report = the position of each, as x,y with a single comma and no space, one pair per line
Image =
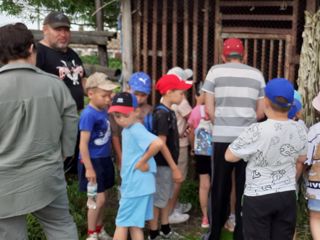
210,105
117,148
153,149
230,157
191,139
300,166
84,150
176,174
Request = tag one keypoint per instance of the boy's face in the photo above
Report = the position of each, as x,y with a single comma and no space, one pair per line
176,96
124,120
141,97
99,98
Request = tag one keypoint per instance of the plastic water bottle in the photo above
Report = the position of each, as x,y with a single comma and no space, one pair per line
92,194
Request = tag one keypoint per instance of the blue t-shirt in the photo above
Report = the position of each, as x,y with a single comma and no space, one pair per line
135,141
97,123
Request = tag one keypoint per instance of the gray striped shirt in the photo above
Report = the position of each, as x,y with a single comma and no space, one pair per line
236,88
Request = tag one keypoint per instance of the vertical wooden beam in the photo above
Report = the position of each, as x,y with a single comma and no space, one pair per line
294,34
311,6
174,32
127,40
185,33
138,37
205,40
218,28
102,49
288,56
263,56
195,43
255,52
145,35
271,53
164,37
280,59
154,45
246,45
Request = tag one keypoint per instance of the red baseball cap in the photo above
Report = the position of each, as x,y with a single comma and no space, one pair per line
232,47
171,82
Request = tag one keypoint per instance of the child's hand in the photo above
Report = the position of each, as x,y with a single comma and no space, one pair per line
142,166
177,176
91,175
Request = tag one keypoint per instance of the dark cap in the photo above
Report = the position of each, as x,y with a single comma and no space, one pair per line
57,19
124,103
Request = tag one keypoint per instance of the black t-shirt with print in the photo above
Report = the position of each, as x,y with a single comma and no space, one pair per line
67,66
165,123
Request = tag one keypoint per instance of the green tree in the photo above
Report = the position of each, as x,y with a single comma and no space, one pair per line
75,9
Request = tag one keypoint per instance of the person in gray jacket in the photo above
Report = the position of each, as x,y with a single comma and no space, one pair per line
38,129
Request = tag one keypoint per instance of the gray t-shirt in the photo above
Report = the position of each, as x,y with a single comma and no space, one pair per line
38,128
271,149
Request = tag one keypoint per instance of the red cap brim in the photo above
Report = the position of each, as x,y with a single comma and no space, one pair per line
121,109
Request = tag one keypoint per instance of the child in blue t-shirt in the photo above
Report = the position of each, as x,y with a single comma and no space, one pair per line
138,168
95,164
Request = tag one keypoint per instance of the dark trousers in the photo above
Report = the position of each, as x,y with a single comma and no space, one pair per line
220,192
269,217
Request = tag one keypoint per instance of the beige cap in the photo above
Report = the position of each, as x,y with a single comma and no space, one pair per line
100,80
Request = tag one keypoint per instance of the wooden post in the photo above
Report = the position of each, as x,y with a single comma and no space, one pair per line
126,40
102,49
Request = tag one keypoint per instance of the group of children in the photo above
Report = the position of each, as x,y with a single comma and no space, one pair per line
275,151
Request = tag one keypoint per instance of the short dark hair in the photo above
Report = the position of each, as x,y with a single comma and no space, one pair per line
15,41
278,108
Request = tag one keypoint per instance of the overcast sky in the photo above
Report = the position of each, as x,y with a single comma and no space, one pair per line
10,19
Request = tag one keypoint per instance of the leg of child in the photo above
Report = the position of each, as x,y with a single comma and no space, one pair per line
121,233
102,207
93,214
315,224
153,224
203,193
164,214
136,233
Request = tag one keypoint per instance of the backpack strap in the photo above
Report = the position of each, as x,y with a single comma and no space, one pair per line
161,107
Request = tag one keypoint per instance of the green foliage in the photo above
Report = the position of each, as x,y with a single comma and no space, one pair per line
35,231
114,63
190,193
76,9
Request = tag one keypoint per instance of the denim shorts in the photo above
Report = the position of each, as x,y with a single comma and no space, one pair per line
314,205
105,174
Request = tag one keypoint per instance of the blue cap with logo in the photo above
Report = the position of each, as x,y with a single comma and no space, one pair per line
280,87
295,108
140,82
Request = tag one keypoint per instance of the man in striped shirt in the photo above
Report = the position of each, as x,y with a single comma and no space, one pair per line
234,100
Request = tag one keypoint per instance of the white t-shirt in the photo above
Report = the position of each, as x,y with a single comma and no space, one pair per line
271,149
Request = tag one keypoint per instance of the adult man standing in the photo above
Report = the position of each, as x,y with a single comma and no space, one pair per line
38,128
234,100
54,56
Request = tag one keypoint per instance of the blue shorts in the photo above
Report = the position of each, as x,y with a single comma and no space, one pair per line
133,212
105,174
314,205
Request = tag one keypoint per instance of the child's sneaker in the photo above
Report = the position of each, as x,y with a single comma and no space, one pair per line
183,207
93,236
230,223
205,222
177,217
157,238
172,235
103,235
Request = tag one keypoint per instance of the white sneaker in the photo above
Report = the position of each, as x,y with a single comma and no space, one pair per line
183,207
171,235
177,217
92,236
103,235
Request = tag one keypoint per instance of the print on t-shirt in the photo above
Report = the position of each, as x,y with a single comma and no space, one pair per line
71,70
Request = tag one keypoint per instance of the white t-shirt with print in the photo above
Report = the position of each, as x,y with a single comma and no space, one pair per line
271,149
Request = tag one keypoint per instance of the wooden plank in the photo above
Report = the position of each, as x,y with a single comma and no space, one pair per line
255,17
218,29
145,36
185,33
271,54
154,45
263,55
288,55
85,38
246,44
164,37
195,44
205,40
253,3
255,52
253,36
174,33
138,36
294,35
311,6
280,59
255,30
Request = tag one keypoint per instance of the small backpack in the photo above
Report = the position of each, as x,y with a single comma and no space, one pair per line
203,136
148,119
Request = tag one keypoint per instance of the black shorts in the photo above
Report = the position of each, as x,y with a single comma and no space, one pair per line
105,174
203,164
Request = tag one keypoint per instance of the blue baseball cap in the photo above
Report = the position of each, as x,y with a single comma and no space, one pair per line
280,87
141,82
295,108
